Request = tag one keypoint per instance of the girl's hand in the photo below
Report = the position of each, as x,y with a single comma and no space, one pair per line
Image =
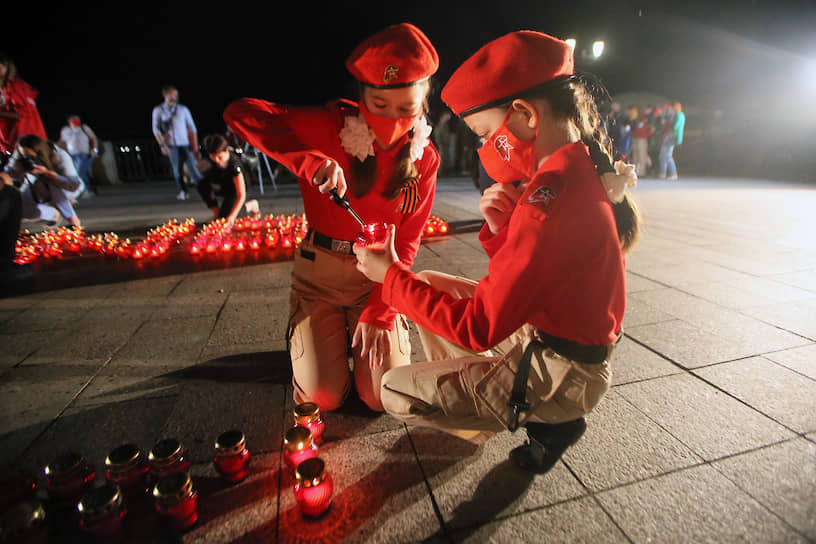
330,176
374,342
374,262
497,204
42,170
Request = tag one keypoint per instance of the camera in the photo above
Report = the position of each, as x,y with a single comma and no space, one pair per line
27,162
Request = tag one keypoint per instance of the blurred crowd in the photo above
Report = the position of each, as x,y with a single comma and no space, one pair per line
647,137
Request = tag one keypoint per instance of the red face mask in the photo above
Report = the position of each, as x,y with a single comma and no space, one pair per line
388,130
505,158
74,122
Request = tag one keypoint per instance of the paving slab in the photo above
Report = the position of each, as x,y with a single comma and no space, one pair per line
473,485
802,360
632,362
693,505
167,342
580,520
710,422
622,445
781,394
782,477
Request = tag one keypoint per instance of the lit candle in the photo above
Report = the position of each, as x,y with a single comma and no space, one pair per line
101,512
307,415
314,487
232,456
373,235
298,446
177,500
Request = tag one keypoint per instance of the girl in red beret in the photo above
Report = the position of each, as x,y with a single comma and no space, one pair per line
530,344
377,154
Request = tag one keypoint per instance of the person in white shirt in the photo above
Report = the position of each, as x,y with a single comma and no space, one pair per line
176,134
82,144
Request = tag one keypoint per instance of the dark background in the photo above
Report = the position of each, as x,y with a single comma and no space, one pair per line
744,70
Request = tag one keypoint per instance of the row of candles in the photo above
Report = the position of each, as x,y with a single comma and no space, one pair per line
253,233
165,474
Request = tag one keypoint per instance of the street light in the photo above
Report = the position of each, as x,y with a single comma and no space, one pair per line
597,49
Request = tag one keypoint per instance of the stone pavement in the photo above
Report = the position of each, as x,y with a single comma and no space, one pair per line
708,434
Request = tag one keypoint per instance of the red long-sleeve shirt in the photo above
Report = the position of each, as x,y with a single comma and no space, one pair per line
302,138
557,265
20,97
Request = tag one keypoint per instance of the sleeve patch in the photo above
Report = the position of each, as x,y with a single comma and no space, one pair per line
542,198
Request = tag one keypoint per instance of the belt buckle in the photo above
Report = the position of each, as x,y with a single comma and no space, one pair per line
341,246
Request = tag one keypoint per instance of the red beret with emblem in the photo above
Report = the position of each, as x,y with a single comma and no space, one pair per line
398,56
506,67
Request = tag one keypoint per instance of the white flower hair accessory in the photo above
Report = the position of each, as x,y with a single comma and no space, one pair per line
422,137
617,182
357,138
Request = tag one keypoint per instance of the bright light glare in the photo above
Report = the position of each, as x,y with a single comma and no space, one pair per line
571,43
597,49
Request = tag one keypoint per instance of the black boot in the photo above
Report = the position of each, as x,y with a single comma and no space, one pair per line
547,443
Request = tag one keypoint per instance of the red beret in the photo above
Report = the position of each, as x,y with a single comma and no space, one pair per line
398,56
505,67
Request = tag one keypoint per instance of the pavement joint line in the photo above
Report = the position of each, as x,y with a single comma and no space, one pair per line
762,355
437,511
179,282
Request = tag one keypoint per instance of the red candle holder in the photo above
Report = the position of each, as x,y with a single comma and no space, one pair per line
25,522
298,446
314,487
101,512
167,456
232,456
176,500
373,235
69,476
307,415
125,466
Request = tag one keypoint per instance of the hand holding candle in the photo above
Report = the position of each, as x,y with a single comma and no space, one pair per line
374,261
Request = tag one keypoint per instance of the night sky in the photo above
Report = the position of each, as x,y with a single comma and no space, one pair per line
107,62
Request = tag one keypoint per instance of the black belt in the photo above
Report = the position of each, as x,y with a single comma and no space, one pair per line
567,349
327,242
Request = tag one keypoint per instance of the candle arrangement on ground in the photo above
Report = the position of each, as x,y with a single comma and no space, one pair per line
252,233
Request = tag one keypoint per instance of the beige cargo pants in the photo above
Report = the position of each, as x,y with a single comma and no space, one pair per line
327,298
466,393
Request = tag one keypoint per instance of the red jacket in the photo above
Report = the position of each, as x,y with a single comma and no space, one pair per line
556,265
301,138
642,128
19,97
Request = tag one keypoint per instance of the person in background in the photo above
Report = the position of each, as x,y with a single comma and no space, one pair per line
11,213
377,153
81,143
176,133
640,143
18,107
675,125
531,343
225,179
47,180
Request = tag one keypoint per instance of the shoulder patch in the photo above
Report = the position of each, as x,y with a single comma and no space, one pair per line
542,198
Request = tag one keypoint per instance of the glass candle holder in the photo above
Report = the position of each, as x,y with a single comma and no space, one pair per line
125,466
69,476
232,456
314,487
373,235
298,446
167,456
16,487
307,415
177,500
101,512
25,522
